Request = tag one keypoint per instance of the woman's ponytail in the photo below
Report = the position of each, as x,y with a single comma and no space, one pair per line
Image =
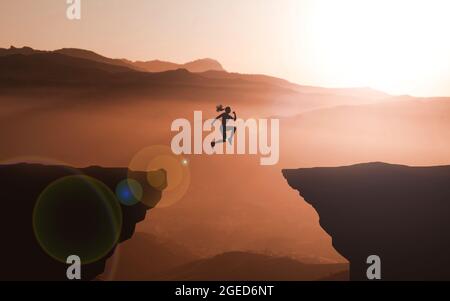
220,108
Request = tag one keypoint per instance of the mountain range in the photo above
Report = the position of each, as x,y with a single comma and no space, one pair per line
80,75
200,65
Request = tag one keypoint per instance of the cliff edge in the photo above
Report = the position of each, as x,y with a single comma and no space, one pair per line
78,210
399,213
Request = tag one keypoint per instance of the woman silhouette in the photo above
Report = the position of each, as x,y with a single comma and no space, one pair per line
224,128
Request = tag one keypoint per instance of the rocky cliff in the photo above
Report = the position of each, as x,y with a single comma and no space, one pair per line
400,213
77,202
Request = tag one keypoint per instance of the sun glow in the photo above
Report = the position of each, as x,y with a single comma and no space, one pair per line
399,46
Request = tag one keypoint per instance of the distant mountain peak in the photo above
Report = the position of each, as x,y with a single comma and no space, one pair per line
196,66
202,65
205,60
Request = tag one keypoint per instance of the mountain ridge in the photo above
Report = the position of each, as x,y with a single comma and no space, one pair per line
196,66
207,68
155,66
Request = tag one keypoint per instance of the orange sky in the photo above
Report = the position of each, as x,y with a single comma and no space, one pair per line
399,46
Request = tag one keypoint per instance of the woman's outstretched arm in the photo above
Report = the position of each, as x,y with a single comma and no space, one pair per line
218,117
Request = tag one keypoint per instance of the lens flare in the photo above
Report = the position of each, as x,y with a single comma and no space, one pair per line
77,215
157,179
165,171
129,192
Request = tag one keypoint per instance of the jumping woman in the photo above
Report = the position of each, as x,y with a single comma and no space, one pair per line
224,128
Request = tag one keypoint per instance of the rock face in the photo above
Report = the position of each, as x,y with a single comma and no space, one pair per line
400,213
20,187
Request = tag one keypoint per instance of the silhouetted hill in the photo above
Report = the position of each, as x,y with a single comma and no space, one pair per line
196,66
202,65
14,50
397,212
366,93
145,255
249,77
83,214
45,67
90,55
156,65
242,266
81,69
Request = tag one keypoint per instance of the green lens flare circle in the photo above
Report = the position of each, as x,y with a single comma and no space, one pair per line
77,215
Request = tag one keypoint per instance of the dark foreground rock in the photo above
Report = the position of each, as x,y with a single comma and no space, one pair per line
400,213
21,185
